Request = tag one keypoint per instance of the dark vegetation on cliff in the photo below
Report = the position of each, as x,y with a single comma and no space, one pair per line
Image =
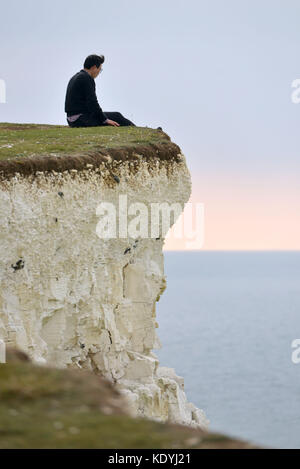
50,408
26,148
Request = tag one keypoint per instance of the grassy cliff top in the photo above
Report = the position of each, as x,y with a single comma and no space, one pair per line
26,148
25,140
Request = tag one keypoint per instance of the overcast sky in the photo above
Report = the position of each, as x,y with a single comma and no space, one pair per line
215,74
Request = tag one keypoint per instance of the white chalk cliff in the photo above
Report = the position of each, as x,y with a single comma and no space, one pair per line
71,299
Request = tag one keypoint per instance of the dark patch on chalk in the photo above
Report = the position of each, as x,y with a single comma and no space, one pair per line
135,243
61,194
127,250
18,265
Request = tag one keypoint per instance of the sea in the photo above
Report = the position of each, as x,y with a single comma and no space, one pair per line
227,321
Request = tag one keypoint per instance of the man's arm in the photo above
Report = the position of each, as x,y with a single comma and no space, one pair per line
92,101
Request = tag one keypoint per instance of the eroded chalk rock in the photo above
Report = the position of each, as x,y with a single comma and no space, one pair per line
84,301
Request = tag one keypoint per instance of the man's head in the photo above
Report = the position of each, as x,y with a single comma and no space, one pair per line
93,64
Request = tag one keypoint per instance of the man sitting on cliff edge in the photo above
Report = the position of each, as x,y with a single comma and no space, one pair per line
81,103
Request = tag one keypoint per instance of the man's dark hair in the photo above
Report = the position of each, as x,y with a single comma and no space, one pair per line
92,60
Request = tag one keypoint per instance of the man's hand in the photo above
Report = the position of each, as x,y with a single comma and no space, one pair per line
110,122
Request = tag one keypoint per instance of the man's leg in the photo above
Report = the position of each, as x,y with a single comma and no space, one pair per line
89,120
118,117
86,120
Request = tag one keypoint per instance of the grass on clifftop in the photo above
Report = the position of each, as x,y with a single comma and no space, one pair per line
24,140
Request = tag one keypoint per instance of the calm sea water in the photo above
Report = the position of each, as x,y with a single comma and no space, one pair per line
226,323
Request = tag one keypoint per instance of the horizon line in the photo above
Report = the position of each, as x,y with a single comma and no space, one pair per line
231,250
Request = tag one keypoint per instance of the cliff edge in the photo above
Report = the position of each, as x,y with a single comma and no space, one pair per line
69,297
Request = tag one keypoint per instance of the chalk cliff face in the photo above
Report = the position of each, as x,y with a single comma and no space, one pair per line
70,298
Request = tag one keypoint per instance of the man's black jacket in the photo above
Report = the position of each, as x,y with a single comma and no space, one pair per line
81,96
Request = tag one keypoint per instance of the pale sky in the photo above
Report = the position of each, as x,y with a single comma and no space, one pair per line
215,75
